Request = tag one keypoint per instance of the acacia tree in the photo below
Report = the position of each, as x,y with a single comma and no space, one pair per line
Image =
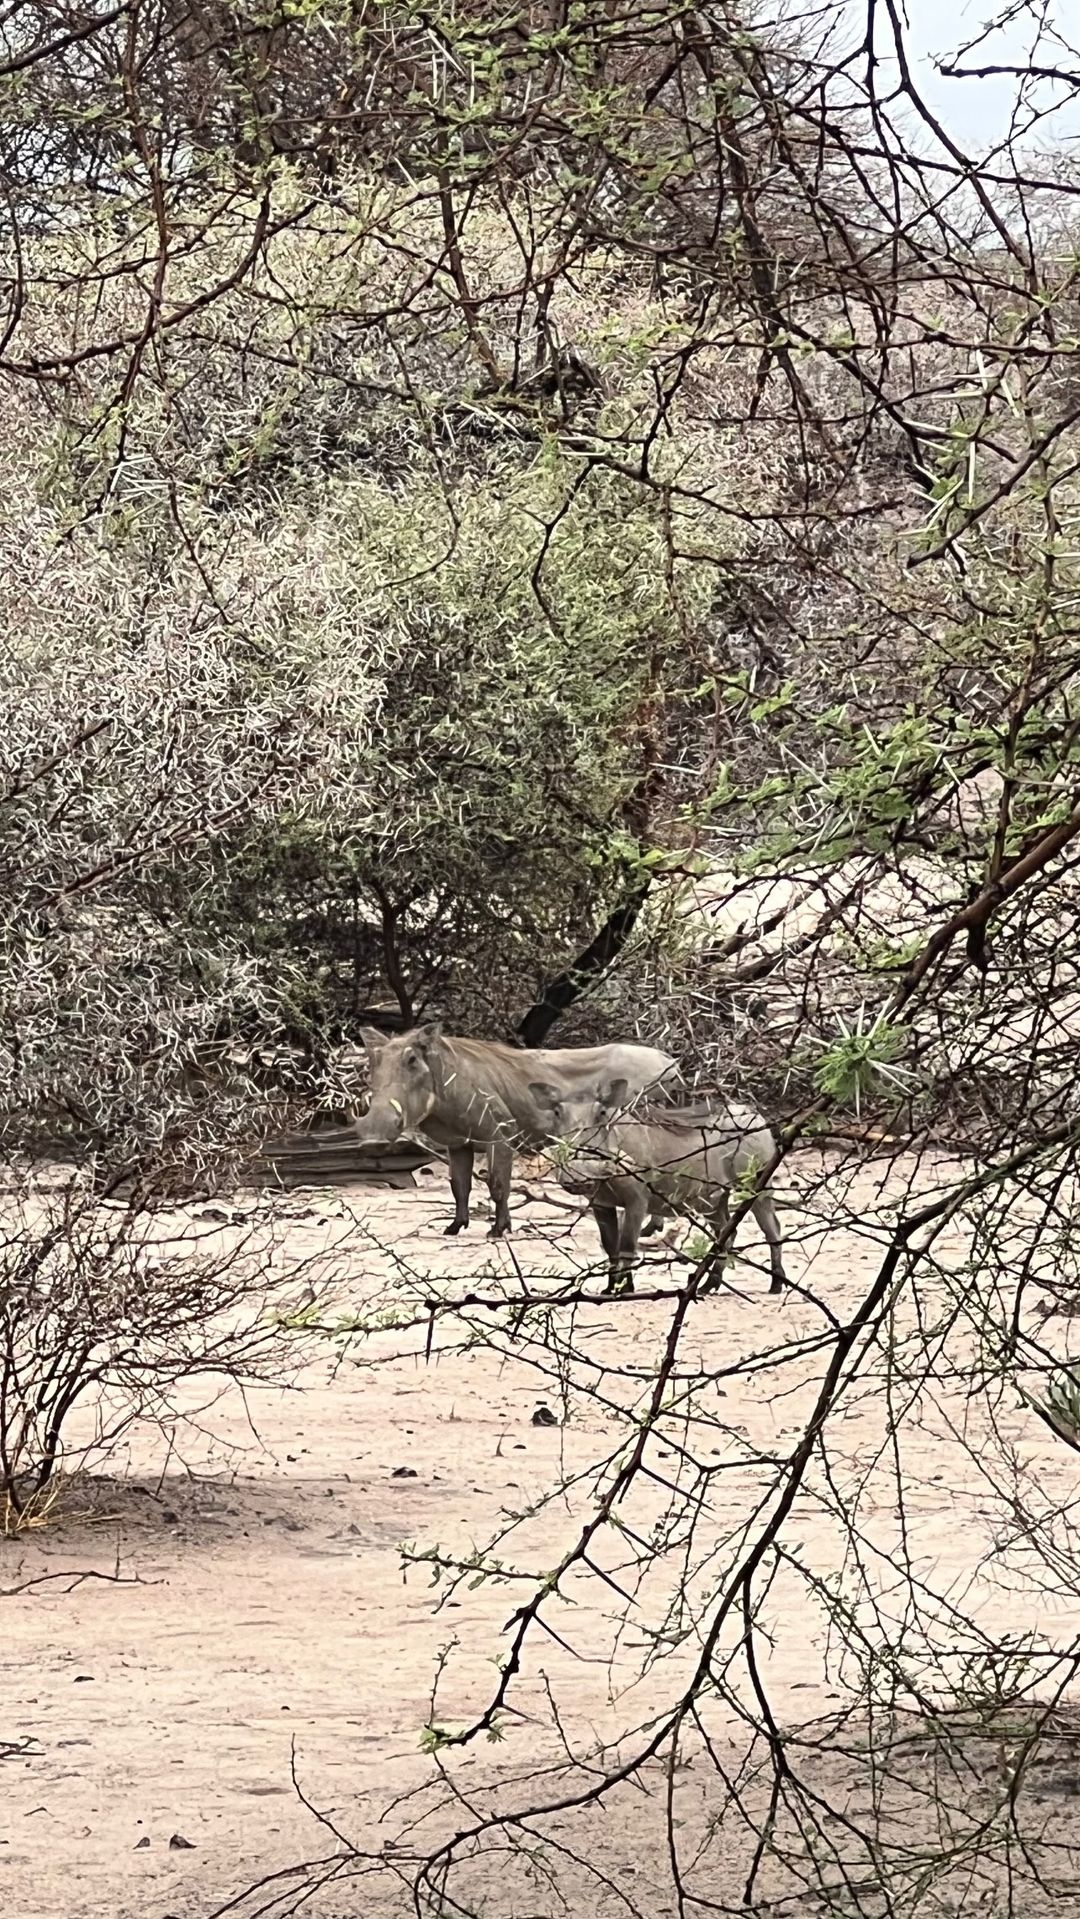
892,790
669,333
491,679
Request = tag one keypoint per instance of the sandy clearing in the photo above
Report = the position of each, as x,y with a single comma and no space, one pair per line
271,1608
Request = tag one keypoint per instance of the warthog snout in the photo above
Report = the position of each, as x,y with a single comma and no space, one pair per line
380,1127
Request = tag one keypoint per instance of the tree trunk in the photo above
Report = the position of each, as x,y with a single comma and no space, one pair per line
597,957
391,915
637,816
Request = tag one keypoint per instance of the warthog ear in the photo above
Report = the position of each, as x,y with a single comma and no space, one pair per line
426,1035
614,1092
544,1093
372,1040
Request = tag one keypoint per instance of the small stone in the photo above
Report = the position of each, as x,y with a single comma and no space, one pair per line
141,1844
179,1844
543,1416
404,1472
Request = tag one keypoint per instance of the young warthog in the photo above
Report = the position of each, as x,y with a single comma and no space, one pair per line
660,1162
465,1094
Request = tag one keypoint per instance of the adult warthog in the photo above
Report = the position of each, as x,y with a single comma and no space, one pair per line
675,1159
468,1094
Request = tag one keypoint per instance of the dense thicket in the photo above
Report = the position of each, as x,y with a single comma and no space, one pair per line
470,477
567,518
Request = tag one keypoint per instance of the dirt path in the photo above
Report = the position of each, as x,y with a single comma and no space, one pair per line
264,1619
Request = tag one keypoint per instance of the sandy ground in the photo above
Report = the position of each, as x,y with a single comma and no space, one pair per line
263,1623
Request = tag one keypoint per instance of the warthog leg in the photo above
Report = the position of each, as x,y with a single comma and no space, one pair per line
461,1172
607,1219
720,1219
765,1213
500,1167
638,1203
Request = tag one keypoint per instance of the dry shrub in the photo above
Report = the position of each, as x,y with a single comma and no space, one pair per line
106,1311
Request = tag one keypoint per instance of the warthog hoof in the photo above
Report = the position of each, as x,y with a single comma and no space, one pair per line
620,1286
455,1226
499,1232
